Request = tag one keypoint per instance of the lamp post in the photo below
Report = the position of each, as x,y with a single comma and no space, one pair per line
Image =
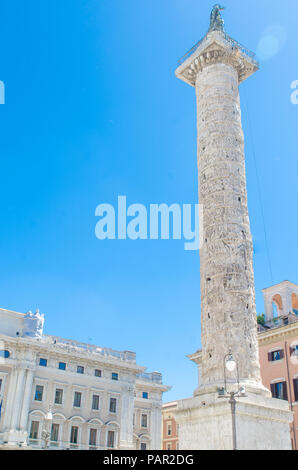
1,404
46,433
230,365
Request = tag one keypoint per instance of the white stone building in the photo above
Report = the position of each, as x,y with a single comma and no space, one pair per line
68,395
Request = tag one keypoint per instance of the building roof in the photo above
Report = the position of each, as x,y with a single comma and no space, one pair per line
279,284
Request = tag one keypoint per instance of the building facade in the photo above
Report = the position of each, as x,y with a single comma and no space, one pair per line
169,427
278,350
278,346
62,394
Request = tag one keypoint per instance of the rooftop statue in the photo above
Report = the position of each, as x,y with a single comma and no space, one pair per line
33,324
216,21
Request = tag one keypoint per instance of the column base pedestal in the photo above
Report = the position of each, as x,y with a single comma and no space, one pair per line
15,438
206,422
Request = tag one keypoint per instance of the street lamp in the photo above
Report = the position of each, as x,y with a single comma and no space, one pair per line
1,404
230,365
46,433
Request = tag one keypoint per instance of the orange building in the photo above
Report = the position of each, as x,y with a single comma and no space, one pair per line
169,427
278,348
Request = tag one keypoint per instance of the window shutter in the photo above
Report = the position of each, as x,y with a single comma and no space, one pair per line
295,383
285,390
269,356
282,354
272,390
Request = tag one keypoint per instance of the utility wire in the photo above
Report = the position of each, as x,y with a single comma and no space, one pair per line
259,190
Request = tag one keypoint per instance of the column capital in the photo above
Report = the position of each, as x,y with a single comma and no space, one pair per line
216,48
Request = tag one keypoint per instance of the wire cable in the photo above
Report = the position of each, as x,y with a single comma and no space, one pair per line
259,189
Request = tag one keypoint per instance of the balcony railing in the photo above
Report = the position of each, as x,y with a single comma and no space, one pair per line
278,322
62,445
76,346
155,377
230,40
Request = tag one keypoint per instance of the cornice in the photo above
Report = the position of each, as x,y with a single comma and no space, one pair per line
196,357
169,405
86,359
283,332
140,384
280,284
54,350
216,48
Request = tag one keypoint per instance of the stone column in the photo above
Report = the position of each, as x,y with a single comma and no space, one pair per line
268,307
156,421
8,405
18,399
26,400
227,281
215,66
287,301
13,434
126,424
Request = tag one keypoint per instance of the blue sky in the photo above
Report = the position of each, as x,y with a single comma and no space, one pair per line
93,110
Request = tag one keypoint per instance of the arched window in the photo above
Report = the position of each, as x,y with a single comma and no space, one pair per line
274,308
112,434
277,306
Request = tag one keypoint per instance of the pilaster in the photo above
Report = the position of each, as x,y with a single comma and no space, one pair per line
126,426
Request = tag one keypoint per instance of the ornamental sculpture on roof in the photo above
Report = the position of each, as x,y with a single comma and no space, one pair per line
216,21
33,325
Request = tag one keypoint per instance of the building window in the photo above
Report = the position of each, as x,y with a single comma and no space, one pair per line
295,383
279,390
77,399
43,362
38,393
4,353
74,433
144,421
34,430
145,395
113,405
55,432
275,355
169,429
62,366
80,369
114,376
95,402
143,446
111,439
169,447
58,396
97,373
92,437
